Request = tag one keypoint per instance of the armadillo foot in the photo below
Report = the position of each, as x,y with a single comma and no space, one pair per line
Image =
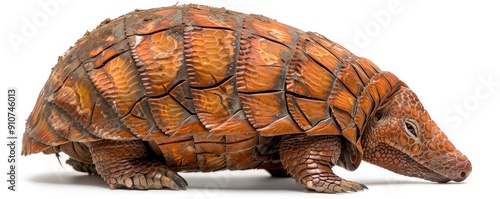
126,164
82,166
329,183
142,174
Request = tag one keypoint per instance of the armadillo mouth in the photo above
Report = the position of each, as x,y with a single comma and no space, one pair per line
440,169
413,168
428,174
407,166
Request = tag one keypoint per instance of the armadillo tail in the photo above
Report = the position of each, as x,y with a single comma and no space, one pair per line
31,146
39,134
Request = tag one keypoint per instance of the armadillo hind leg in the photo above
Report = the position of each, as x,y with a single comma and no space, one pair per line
309,160
126,164
80,158
82,166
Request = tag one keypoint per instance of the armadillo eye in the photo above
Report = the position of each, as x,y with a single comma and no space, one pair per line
378,116
410,129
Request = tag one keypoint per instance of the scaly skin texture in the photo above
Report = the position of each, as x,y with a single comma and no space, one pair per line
404,139
309,160
194,88
129,166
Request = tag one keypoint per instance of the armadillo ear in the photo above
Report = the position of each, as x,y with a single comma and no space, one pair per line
350,156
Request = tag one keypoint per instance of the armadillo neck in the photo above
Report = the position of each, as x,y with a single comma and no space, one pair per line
359,90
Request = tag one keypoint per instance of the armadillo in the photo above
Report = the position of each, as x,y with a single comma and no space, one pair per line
194,88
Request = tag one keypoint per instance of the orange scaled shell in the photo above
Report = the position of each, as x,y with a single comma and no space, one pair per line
167,74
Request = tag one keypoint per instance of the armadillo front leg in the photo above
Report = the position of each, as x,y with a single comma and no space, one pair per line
309,160
125,164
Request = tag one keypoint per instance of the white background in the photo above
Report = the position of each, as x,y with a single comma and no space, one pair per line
446,51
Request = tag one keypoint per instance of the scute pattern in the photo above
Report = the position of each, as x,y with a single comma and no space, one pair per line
207,88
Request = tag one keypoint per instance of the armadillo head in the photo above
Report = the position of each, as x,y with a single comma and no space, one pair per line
403,138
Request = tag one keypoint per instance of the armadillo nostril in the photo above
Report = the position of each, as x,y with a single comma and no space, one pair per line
463,175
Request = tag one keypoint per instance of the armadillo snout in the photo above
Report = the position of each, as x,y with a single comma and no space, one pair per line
460,169
463,173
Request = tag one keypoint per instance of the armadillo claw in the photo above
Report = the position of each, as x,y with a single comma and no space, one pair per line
172,179
352,186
